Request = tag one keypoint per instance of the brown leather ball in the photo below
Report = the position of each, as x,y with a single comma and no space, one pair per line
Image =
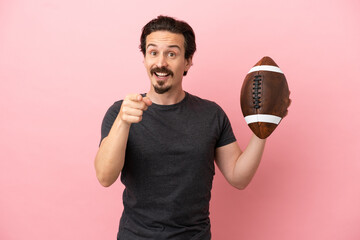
264,97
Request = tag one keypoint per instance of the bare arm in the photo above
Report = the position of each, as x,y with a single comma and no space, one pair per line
239,167
110,157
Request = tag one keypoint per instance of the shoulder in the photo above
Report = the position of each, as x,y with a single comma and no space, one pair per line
114,109
116,106
203,103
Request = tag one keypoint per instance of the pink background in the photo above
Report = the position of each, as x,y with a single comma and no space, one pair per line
63,63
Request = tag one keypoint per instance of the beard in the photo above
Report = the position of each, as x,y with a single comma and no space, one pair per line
159,87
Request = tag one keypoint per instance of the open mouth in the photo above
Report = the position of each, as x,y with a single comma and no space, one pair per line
161,74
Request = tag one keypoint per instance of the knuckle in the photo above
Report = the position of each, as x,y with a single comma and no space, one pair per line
125,110
126,102
142,105
140,113
130,97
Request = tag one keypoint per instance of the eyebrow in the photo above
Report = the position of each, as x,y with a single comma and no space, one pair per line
170,46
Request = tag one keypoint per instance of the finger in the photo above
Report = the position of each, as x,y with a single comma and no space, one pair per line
133,97
134,103
147,101
132,111
139,105
132,119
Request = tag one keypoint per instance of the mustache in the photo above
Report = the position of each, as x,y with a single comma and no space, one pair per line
161,70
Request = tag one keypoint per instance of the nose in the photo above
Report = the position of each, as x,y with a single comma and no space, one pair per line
162,62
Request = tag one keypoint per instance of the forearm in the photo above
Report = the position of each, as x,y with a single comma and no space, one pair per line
110,157
248,162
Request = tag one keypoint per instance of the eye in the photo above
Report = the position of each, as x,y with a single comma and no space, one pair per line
171,54
152,53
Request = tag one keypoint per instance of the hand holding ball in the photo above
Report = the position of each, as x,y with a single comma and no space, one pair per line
264,97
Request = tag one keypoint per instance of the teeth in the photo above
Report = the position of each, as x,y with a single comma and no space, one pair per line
161,74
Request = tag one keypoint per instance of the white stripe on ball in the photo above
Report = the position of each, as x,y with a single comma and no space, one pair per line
262,118
266,68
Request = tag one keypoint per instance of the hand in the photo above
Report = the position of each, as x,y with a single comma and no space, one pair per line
132,108
288,105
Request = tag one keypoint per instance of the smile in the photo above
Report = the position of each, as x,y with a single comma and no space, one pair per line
161,74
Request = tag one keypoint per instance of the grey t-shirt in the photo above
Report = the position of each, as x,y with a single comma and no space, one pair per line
169,169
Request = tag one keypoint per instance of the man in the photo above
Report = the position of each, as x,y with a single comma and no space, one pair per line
164,144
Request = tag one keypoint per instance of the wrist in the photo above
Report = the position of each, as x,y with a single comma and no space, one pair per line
121,124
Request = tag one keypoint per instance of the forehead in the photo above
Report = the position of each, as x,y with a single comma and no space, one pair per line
165,39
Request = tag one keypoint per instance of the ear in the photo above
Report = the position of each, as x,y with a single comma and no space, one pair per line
188,63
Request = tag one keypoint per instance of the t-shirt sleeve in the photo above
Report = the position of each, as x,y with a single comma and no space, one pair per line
109,119
226,133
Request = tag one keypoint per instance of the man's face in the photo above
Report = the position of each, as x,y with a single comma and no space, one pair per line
165,60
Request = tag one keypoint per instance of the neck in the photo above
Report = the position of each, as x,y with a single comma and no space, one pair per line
168,98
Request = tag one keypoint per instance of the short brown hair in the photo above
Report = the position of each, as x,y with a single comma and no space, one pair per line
165,23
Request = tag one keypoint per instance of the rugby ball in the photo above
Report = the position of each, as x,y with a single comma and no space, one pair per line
264,97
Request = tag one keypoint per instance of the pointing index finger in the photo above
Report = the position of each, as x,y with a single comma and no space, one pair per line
147,101
134,97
